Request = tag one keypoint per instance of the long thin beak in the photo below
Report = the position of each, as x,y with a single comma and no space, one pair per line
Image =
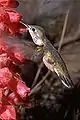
26,25
29,27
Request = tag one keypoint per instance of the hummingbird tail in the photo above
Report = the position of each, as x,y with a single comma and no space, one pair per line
66,81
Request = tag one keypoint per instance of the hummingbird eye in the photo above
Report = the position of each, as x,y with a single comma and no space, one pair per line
33,29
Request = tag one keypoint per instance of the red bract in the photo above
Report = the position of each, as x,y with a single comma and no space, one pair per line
5,100
19,87
3,29
17,28
5,76
14,28
1,94
14,52
3,60
10,22
22,90
4,16
4,20
14,16
22,29
7,112
19,57
9,3
15,99
16,56
3,48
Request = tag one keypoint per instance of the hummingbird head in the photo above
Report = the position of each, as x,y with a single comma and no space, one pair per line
37,33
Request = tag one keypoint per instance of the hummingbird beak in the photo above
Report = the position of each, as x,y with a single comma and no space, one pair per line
29,28
26,25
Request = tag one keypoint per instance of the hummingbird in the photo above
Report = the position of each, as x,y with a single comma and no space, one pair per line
51,58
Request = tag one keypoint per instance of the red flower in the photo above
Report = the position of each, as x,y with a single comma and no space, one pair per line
19,87
5,76
19,57
14,52
4,16
10,21
3,60
3,29
9,3
15,98
4,20
16,28
1,94
22,89
14,16
7,112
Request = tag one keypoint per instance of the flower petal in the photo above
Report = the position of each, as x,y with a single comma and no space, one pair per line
7,112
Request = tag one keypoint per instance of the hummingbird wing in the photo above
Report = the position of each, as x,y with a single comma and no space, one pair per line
56,60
